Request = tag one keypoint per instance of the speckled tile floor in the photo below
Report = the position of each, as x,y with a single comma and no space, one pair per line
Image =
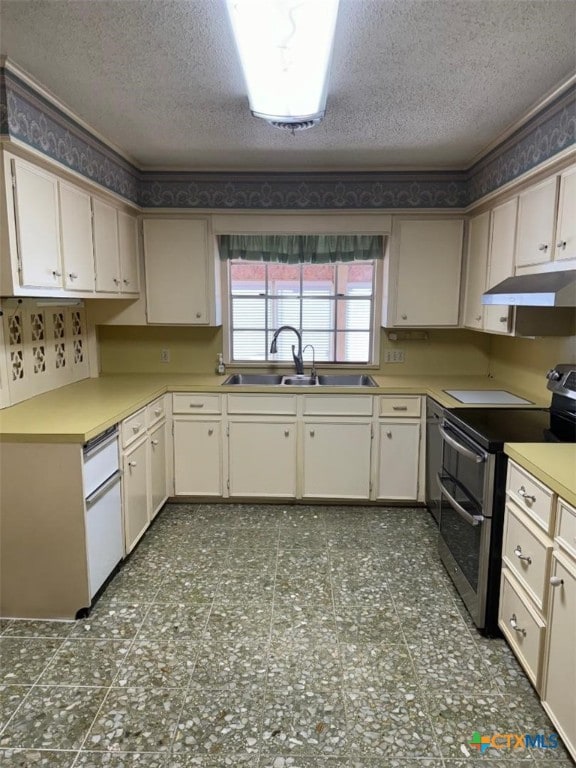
268,637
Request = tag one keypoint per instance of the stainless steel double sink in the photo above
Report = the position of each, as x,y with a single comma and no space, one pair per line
323,380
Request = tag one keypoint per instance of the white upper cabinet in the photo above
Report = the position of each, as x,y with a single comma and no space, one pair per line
536,215
423,287
37,225
77,246
106,254
476,266
128,252
181,272
497,318
565,240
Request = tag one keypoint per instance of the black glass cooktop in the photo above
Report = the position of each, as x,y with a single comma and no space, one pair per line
492,427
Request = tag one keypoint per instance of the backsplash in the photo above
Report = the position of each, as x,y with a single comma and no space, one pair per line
136,349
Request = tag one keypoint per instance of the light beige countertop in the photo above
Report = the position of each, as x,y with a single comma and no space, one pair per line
80,411
554,464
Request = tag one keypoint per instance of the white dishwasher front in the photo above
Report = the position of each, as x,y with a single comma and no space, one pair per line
104,530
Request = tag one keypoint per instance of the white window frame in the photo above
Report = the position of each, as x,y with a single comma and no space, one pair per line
374,362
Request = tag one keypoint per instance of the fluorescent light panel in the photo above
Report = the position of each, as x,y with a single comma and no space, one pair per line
285,48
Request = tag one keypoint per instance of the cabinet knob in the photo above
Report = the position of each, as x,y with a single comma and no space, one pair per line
136,427
388,433
157,411
55,273
503,319
528,498
478,318
198,314
116,281
561,244
404,317
312,433
126,282
286,433
72,275
515,627
518,552
132,464
556,581
154,442
543,247
211,431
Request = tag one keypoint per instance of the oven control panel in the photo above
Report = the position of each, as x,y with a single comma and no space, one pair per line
562,380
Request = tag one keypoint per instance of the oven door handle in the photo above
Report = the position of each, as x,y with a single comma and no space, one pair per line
471,519
476,457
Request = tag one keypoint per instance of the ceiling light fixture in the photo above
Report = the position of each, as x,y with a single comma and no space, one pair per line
285,48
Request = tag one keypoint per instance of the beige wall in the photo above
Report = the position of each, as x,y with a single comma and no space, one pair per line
126,349
524,362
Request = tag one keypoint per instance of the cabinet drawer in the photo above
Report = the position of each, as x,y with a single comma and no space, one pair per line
522,627
391,405
527,553
566,527
155,411
133,427
533,497
262,404
337,405
186,402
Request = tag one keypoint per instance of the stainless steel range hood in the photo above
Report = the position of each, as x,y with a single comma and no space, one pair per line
547,289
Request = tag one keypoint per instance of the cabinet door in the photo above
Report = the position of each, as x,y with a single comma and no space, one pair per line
476,266
128,250
197,457
565,245
560,660
497,318
429,263
336,459
106,255
176,259
77,246
136,498
536,211
37,224
158,474
262,458
398,461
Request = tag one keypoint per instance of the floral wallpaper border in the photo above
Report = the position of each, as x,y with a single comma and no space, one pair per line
29,117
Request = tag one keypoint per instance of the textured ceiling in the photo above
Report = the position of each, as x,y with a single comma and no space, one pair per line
414,83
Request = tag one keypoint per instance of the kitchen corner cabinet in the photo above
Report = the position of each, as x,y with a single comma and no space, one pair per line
197,444
182,272
476,267
423,284
538,593
565,239
503,218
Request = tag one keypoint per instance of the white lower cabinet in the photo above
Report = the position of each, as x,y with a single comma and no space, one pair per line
398,461
336,459
538,593
159,475
197,456
135,468
262,458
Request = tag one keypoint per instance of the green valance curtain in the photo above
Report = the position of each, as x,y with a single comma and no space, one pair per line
301,249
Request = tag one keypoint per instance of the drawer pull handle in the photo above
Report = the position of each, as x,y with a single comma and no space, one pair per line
528,498
556,581
132,464
136,427
196,405
515,627
399,407
154,442
520,556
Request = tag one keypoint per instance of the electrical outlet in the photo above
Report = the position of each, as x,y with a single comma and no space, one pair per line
164,355
394,356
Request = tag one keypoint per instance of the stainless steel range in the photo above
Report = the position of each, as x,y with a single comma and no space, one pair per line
472,486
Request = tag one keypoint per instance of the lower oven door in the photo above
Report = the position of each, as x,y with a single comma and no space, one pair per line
465,518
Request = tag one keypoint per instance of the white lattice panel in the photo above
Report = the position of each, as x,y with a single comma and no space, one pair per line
43,348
